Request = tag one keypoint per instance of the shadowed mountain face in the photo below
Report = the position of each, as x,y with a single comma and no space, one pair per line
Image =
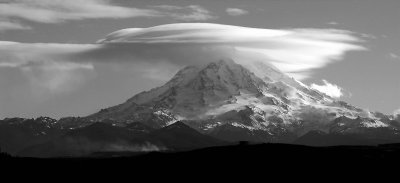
214,103
179,136
102,137
85,140
19,133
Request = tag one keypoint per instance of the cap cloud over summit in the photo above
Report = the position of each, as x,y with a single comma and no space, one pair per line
154,54
294,51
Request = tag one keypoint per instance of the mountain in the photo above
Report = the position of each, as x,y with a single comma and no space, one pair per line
223,90
19,133
179,136
86,140
192,92
201,106
252,101
104,137
319,138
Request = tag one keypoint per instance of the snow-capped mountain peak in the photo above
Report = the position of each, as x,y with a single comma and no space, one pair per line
253,96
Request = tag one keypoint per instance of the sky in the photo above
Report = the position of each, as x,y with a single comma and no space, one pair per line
56,59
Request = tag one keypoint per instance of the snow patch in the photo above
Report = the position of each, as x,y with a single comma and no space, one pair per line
374,124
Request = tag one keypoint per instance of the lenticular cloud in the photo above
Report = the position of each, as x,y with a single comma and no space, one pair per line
294,51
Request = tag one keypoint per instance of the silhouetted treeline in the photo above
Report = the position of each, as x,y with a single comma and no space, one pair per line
4,154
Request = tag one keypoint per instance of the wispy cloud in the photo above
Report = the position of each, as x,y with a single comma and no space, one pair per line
48,67
333,23
394,56
57,77
52,11
396,115
8,25
186,13
236,11
55,11
329,89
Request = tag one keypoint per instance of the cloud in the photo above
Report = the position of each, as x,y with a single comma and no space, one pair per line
314,117
394,56
396,115
55,11
7,25
55,77
329,89
187,13
52,11
48,67
14,54
236,11
164,49
333,23
294,51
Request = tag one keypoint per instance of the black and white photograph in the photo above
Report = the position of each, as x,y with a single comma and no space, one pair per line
187,82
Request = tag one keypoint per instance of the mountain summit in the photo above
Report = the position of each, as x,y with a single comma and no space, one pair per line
225,98
201,92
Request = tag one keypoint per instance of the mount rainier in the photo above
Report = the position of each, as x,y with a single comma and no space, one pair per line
253,101
214,104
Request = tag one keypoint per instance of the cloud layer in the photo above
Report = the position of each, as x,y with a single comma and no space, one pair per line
294,51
